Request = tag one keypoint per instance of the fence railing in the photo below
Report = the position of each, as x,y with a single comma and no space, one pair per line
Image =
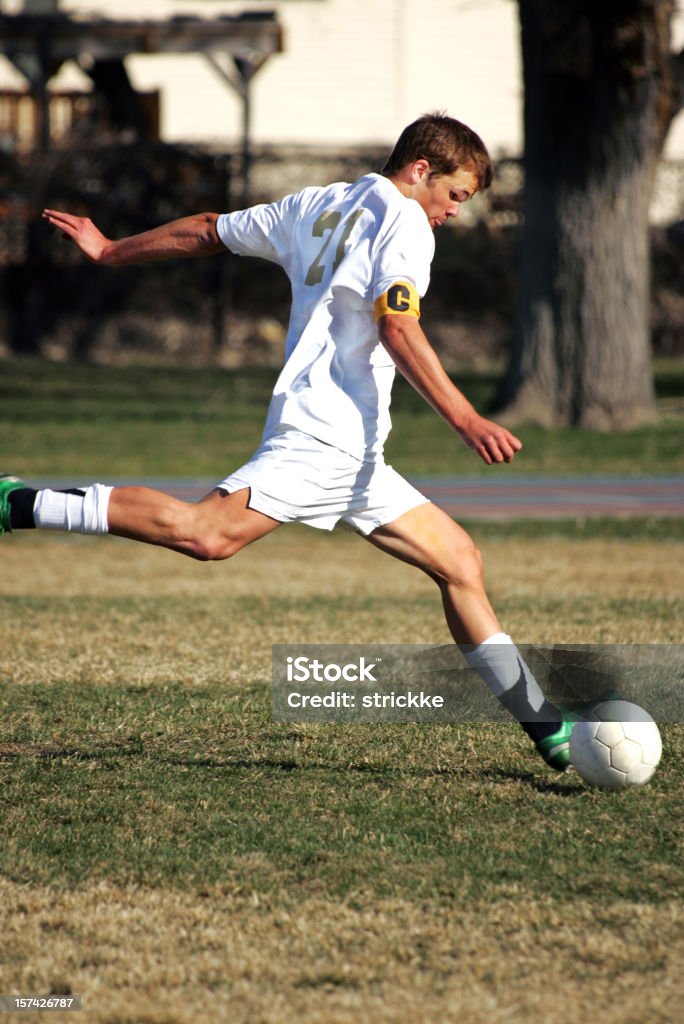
69,112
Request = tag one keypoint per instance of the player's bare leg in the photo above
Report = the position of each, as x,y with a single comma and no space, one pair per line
429,539
216,527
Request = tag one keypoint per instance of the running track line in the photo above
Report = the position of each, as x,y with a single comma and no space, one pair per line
489,498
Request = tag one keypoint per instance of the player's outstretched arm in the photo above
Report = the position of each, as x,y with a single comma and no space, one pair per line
189,236
406,342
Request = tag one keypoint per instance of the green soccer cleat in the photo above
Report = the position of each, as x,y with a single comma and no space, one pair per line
7,485
555,749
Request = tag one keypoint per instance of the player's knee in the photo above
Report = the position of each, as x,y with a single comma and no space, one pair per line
465,567
201,538
214,549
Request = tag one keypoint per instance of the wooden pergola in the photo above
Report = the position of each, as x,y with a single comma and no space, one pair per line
38,45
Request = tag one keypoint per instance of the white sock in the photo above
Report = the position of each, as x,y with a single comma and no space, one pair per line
73,512
499,663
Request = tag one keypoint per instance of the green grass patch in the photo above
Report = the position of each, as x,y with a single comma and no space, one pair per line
139,420
65,419
592,528
180,786
422,444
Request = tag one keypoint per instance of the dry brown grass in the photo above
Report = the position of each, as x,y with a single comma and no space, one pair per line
154,957
300,563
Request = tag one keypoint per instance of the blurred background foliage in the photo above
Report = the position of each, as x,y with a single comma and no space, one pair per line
234,312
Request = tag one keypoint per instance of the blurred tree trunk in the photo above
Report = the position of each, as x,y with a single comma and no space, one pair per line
601,88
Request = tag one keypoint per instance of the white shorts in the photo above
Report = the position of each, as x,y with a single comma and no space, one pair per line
295,478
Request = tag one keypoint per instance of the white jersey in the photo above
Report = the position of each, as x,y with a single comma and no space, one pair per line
342,246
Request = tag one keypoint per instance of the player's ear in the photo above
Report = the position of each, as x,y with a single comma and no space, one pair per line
420,170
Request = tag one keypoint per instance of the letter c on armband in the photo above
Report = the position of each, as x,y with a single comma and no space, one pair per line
401,299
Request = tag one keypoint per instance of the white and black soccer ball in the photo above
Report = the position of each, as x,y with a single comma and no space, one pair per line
618,745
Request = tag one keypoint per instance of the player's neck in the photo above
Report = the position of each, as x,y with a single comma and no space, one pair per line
400,181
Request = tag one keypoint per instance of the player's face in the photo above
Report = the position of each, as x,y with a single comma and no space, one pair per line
441,196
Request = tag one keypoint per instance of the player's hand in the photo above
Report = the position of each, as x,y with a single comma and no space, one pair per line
491,442
81,231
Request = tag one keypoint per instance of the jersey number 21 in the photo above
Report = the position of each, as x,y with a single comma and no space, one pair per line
327,227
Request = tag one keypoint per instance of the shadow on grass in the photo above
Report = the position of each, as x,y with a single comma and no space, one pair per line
499,776
38,753
570,787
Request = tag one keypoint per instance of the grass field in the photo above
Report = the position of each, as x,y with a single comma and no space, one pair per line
172,855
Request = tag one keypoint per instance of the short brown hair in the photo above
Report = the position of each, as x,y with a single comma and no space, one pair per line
446,144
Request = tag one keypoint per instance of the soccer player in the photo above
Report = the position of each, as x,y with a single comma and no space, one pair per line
358,257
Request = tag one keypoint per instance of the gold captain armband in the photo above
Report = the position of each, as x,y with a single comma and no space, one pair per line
401,299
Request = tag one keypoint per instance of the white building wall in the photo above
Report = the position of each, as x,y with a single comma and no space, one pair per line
674,145
353,71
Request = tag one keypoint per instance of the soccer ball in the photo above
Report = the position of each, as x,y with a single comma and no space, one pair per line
618,745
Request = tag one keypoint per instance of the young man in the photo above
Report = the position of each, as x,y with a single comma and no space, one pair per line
358,257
